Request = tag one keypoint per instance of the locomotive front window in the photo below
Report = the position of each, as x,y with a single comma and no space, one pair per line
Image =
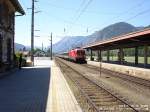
80,52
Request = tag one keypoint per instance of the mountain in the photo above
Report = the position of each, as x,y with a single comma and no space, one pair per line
140,28
108,32
68,43
18,46
112,31
147,26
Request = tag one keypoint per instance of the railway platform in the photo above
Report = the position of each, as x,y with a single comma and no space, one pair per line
61,98
41,88
142,73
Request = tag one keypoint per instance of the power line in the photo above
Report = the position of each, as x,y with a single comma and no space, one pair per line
77,10
138,14
82,4
124,12
83,10
130,9
60,7
64,21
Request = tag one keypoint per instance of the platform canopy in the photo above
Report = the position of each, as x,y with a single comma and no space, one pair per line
133,39
17,6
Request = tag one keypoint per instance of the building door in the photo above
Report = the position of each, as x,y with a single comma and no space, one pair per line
9,50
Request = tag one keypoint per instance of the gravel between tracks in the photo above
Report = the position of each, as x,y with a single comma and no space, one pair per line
135,94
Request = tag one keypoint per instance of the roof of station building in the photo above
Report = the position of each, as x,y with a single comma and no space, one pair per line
138,36
17,6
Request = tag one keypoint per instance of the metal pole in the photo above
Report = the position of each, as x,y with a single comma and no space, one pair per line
42,46
100,63
100,72
51,47
32,34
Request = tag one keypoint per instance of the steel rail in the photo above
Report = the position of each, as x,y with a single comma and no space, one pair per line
124,102
126,77
85,95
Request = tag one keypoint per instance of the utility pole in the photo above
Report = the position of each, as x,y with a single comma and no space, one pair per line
42,46
32,34
51,47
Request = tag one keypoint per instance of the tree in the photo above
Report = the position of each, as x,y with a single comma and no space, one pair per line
36,50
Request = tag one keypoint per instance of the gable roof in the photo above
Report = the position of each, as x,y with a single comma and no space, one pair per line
17,6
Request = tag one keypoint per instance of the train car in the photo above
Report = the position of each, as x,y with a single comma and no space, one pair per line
63,55
77,55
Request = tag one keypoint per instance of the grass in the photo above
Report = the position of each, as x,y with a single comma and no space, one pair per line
130,59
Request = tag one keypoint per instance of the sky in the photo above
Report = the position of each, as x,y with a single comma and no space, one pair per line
77,18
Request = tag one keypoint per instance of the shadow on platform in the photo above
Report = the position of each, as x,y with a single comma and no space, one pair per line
25,91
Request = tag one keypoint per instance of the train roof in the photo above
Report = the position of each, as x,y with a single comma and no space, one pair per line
78,49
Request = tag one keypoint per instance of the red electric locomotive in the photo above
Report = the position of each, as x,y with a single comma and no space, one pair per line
77,55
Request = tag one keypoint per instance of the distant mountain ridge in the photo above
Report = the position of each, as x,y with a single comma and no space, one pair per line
113,30
18,46
68,43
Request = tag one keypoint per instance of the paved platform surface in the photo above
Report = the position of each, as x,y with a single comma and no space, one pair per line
61,99
33,90
25,91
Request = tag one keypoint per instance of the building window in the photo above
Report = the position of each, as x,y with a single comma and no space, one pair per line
9,50
11,21
1,39
1,12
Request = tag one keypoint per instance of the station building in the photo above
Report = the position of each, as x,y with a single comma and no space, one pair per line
7,29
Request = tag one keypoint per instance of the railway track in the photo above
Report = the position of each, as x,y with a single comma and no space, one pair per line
136,80
96,97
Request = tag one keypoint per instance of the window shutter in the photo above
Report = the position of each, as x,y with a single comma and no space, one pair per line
0,13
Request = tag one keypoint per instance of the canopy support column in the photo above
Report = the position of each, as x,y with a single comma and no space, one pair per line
145,55
136,55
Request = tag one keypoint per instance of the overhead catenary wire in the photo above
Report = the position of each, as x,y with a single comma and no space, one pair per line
87,11
82,4
139,14
130,9
63,20
123,13
83,10
80,13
